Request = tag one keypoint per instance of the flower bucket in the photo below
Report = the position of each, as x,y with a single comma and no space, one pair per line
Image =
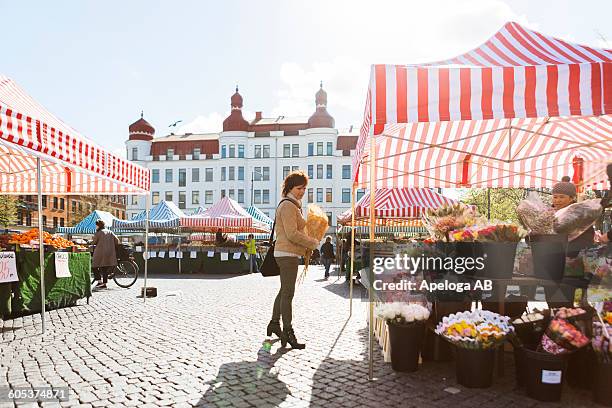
471,250
602,387
406,341
519,365
435,348
580,368
498,259
474,367
548,253
544,375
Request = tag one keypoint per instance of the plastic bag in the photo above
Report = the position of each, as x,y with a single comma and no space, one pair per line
536,216
577,218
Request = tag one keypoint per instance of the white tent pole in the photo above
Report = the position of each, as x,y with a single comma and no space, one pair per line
41,242
371,269
146,258
352,249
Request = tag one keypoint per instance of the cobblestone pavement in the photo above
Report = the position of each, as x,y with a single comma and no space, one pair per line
201,343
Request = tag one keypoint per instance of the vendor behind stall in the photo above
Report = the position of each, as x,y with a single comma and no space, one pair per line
220,237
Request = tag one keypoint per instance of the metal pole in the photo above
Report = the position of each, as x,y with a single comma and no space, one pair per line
488,203
252,191
177,252
146,258
371,271
41,243
352,249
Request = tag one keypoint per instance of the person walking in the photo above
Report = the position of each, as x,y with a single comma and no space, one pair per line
291,244
105,256
251,248
327,255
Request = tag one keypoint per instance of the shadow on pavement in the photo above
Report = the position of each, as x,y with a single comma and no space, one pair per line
198,276
254,381
342,289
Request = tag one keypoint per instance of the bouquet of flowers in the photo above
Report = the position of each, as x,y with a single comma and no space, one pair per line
316,225
478,329
501,233
441,221
601,342
402,313
463,235
562,337
568,313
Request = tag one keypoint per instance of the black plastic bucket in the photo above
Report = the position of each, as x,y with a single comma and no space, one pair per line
548,253
474,368
580,368
544,375
435,348
602,387
406,342
498,259
519,365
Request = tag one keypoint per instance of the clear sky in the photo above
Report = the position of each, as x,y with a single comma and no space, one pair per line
96,64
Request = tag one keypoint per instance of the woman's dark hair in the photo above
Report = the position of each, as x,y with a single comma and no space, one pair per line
100,224
294,179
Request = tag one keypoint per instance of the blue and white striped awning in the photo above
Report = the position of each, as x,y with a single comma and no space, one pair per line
164,215
384,230
88,224
259,215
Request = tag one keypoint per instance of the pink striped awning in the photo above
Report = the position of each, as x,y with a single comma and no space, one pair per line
395,206
71,163
521,110
226,215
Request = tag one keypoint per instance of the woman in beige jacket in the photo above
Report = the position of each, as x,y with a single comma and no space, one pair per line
291,244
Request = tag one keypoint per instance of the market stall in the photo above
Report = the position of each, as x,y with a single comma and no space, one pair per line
522,110
40,154
88,224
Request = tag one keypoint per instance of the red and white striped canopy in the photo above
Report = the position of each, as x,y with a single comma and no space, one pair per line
395,206
227,215
71,163
521,110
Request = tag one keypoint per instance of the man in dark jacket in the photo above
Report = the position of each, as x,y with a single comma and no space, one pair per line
327,255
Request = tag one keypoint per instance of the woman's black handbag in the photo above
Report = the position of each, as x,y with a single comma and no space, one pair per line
269,267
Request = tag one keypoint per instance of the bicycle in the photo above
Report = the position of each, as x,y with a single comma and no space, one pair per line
125,274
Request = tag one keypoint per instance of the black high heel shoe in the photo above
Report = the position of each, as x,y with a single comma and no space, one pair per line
289,337
275,327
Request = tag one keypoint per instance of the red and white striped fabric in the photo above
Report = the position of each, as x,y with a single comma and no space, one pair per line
395,206
517,74
227,215
71,163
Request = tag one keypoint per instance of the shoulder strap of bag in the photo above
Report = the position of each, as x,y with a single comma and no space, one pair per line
274,223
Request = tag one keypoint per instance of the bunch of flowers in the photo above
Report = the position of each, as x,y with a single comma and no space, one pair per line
441,221
568,313
562,337
478,329
464,235
501,233
402,313
602,343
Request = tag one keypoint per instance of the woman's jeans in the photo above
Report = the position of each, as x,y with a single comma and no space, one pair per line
253,263
288,266
327,264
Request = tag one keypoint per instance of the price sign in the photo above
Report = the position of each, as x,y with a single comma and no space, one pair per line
8,267
61,265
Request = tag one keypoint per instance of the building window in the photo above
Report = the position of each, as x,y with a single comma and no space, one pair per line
310,171
266,151
346,195
182,200
54,222
61,203
182,177
223,173
208,197
266,197
209,174
241,151
319,148
44,201
240,173
360,193
223,151
155,175
295,168
295,150
168,196
73,206
266,173
330,171
311,149
286,150
195,175
329,219
241,196
231,193
196,154
168,175
257,174
232,172
61,222
319,171
319,195
28,219
81,205
310,195
195,197
155,197
232,151
257,197
134,201
286,171
55,201
346,171
223,193
330,148
44,221
258,151
329,195
169,154
134,153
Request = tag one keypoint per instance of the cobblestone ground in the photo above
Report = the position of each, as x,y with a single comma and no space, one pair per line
201,342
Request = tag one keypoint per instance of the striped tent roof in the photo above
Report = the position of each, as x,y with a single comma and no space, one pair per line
521,110
88,224
395,206
164,215
385,230
259,215
70,163
198,211
226,215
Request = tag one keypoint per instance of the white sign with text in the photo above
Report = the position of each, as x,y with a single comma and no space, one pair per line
61,265
8,267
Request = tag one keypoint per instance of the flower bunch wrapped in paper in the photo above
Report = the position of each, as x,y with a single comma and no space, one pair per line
441,221
402,313
577,218
463,235
536,216
478,329
562,337
500,232
316,226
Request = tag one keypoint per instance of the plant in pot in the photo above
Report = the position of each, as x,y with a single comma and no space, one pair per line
476,334
406,322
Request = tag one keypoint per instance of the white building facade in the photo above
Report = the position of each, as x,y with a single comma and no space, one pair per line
247,161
